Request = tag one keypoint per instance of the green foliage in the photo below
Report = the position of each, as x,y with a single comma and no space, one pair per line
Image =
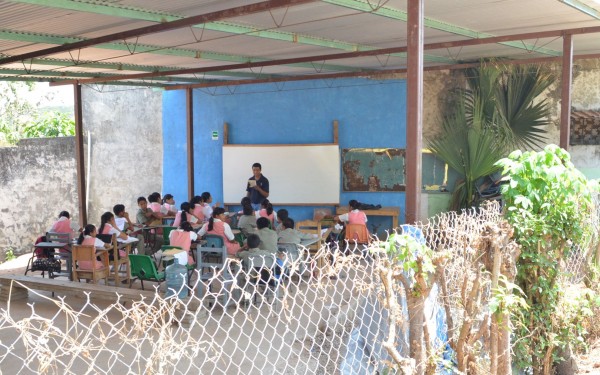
496,114
9,255
416,259
507,298
50,124
20,118
549,204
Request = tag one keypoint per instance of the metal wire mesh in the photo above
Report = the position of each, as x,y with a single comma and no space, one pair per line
293,320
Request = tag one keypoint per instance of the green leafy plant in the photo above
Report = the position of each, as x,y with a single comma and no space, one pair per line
20,117
9,255
496,113
50,124
548,203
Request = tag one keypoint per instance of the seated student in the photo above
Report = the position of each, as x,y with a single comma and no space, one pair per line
64,224
247,222
355,216
88,237
268,212
244,202
168,204
185,214
196,206
291,235
217,225
124,224
182,237
155,204
268,237
207,209
147,217
108,226
282,214
253,242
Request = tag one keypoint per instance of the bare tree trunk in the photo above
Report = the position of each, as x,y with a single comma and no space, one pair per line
504,359
416,308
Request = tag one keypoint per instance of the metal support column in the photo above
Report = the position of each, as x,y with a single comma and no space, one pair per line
190,140
565,91
414,109
79,156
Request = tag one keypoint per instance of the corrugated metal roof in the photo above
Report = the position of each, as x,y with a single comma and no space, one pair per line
315,28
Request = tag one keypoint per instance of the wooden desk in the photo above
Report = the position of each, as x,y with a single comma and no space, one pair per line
394,212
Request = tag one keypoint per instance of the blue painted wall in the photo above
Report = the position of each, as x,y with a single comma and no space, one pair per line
370,113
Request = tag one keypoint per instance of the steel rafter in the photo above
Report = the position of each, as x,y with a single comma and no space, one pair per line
161,27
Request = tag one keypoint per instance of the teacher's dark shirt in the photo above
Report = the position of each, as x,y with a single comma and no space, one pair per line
255,196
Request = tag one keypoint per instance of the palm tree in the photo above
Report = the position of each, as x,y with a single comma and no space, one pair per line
496,114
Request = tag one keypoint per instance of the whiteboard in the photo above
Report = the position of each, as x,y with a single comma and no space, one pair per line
297,174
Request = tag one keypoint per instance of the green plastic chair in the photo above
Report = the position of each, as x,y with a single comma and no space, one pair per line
166,232
144,268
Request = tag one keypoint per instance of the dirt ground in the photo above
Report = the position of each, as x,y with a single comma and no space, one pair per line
589,363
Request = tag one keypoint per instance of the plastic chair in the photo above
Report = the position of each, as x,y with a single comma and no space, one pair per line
86,264
143,268
214,240
263,275
211,263
295,255
166,232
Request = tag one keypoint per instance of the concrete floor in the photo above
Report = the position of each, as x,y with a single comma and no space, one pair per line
254,339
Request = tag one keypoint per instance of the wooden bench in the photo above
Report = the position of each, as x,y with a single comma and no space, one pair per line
21,284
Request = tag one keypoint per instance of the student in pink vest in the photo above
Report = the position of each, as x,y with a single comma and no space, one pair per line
168,203
196,206
356,223
154,203
109,226
182,237
64,225
217,225
88,237
186,215
354,216
207,209
268,212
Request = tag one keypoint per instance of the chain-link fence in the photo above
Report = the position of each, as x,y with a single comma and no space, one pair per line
282,316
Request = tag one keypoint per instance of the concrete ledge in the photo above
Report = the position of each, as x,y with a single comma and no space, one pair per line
20,283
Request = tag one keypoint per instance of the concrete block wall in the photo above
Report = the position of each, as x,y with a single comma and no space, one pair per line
38,177
37,181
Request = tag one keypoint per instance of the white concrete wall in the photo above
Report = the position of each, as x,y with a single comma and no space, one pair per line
37,181
126,147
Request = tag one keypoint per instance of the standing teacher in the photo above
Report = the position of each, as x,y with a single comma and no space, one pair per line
258,187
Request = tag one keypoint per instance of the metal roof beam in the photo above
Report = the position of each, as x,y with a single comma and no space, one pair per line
381,74
141,48
401,15
383,51
221,26
177,24
133,67
583,8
